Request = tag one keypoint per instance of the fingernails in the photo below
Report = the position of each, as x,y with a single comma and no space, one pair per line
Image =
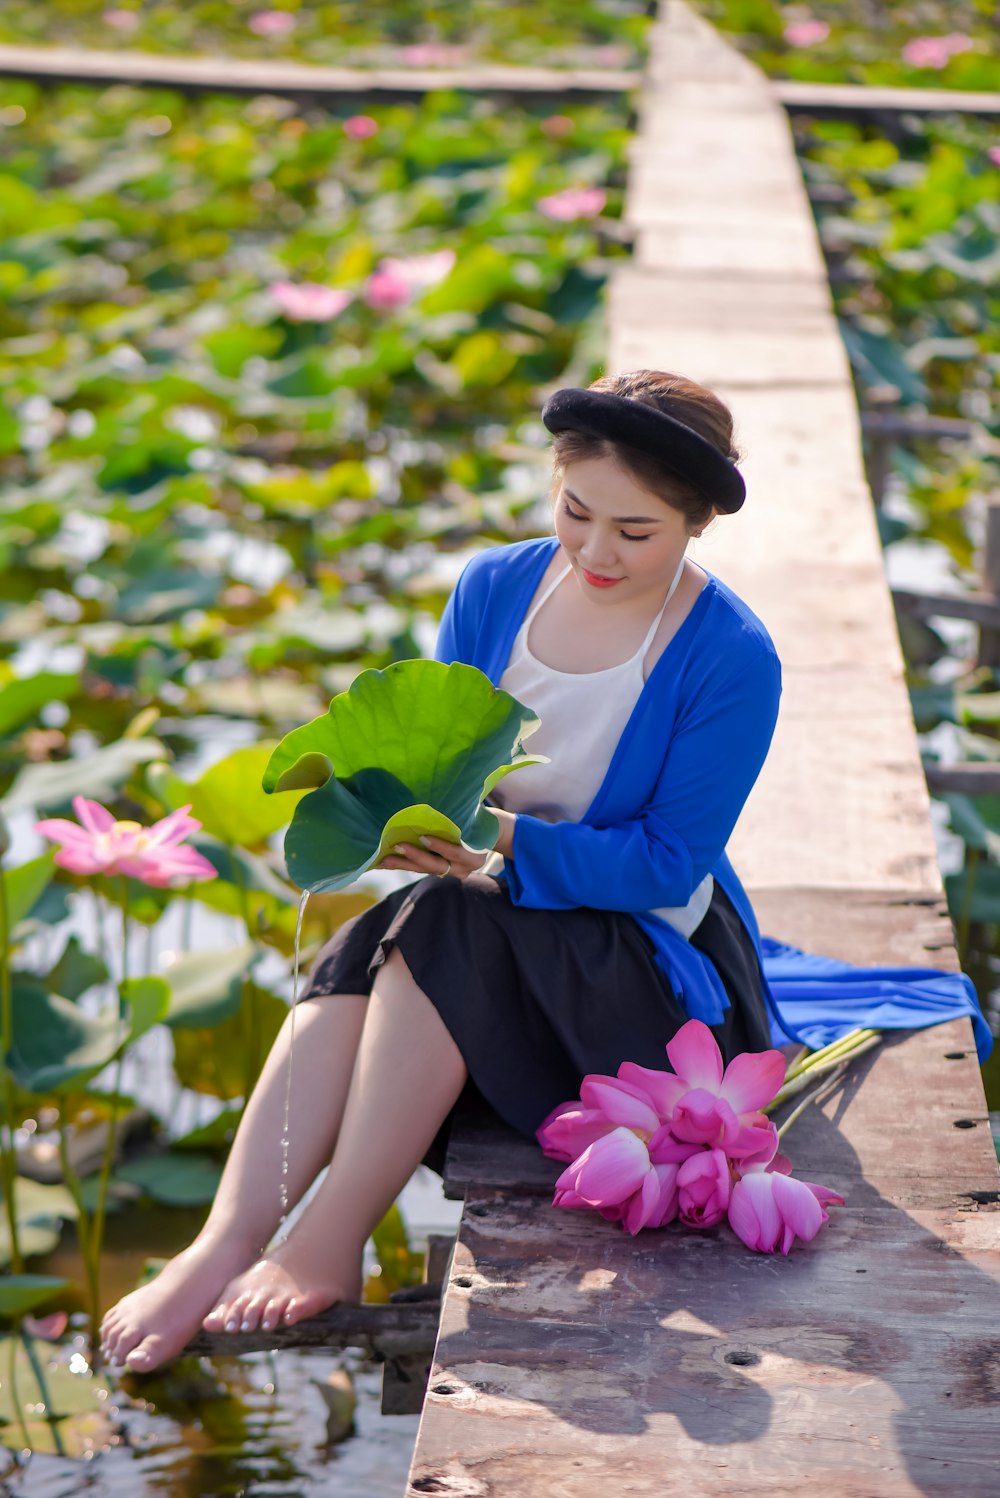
401,849
426,841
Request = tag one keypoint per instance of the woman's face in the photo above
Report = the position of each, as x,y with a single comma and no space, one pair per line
622,541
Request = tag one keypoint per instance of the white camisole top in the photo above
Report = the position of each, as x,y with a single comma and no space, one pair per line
582,717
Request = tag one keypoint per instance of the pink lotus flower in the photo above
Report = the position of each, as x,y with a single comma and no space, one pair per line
624,1180
935,51
647,1146
573,203
558,125
122,20
703,1187
769,1209
993,152
103,846
708,1105
433,54
394,282
271,23
360,126
806,33
309,302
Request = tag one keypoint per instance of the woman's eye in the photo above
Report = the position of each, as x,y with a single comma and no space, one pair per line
572,515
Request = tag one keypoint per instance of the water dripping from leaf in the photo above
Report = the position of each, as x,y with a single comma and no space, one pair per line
283,1186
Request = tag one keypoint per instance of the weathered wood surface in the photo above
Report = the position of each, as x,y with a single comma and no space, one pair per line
272,76
387,1331
839,100
573,1359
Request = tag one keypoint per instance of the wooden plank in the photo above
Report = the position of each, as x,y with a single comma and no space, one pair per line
571,1357
578,1360
389,1331
845,100
980,607
272,76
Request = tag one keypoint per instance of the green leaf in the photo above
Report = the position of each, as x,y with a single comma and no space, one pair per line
147,999
26,884
76,971
228,799
41,1210
54,1043
415,748
205,987
22,699
69,1416
20,1293
181,1180
97,775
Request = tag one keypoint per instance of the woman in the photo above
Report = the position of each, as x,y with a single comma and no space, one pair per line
608,915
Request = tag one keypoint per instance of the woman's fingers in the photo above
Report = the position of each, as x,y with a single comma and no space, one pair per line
436,856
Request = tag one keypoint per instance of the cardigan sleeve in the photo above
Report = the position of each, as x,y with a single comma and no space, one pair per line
660,857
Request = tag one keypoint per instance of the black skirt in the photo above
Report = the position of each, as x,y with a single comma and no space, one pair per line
536,999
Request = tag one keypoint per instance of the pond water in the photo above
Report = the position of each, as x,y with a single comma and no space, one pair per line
251,1425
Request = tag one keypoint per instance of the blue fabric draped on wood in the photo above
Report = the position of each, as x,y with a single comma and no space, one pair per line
819,999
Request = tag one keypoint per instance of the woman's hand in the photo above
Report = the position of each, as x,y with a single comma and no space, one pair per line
436,856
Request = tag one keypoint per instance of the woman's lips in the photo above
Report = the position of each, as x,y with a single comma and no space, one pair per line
596,581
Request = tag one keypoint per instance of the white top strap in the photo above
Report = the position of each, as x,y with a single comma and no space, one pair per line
553,585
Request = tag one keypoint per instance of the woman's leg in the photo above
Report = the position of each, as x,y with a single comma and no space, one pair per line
407,1077
155,1322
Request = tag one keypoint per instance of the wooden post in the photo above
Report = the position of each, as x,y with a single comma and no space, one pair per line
989,639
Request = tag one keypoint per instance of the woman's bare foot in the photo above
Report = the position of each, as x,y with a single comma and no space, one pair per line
294,1281
155,1322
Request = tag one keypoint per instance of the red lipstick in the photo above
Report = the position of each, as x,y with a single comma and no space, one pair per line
596,581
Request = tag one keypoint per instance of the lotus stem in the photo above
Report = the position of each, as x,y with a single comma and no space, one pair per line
51,1419
811,1097
823,1062
8,1161
835,1048
14,1398
96,1234
84,1224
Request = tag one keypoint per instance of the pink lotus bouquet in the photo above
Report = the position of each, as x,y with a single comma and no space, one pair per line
647,1147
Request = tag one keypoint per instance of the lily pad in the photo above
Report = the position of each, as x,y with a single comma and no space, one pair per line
68,1414
411,750
24,1292
227,799
181,1180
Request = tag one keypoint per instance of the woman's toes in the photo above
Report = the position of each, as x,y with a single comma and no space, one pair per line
146,1355
250,1320
273,1311
215,1321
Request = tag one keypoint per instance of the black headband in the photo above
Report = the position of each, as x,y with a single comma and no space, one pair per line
679,448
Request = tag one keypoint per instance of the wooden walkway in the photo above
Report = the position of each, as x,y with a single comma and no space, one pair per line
573,1359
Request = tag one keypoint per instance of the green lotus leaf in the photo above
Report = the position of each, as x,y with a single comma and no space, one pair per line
409,751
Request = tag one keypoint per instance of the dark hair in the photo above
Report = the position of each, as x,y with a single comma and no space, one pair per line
685,399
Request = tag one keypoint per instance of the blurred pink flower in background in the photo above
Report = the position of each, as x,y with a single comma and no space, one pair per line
394,281
360,126
271,23
769,1209
123,20
993,152
433,54
309,302
102,845
573,202
558,125
806,33
935,51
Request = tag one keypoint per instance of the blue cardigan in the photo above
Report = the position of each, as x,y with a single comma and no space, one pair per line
686,761
683,767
